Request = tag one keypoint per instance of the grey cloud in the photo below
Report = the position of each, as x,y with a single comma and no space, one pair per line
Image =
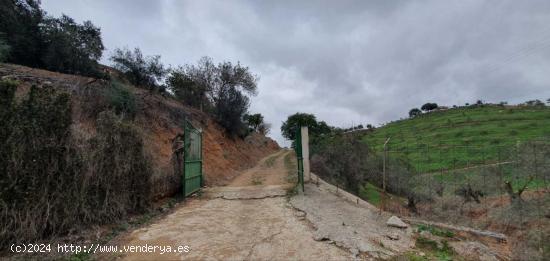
346,61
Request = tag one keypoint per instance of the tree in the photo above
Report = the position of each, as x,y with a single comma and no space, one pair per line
70,47
230,107
199,81
429,106
534,103
218,87
414,112
254,121
186,89
297,120
142,71
19,21
57,44
548,101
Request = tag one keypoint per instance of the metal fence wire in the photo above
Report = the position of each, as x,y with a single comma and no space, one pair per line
499,188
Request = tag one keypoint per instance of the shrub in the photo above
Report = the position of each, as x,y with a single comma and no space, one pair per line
121,100
40,168
118,171
52,181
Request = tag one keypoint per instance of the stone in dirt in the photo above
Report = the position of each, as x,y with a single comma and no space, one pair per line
396,222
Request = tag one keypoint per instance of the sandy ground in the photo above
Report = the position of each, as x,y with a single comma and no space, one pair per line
248,226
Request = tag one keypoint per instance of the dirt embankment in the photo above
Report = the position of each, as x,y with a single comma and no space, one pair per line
160,119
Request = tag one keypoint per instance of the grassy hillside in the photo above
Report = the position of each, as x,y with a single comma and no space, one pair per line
461,137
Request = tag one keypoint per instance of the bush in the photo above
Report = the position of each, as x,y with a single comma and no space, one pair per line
344,160
51,181
39,166
118,171
121,100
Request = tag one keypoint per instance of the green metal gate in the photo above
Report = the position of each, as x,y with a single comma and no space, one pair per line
192,159
299,157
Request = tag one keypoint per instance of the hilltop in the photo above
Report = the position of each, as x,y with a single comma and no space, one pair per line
461,137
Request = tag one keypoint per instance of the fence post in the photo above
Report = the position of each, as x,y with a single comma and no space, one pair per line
384,165
305,152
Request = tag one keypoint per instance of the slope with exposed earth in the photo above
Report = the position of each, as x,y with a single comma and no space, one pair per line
159,118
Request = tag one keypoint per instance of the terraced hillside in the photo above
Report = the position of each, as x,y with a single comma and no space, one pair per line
462,137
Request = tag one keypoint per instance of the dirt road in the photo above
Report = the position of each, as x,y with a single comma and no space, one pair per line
255,218
251,219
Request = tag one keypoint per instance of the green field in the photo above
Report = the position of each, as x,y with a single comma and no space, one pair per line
461,137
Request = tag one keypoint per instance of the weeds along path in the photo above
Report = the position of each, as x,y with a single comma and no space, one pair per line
249,220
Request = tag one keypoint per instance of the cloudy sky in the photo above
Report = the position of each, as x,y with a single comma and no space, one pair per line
348,62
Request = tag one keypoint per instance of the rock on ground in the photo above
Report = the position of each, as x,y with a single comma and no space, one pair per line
394,221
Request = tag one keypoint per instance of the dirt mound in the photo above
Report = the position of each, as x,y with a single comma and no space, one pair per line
160,120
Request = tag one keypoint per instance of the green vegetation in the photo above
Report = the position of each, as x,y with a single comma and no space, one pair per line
57,44
436,231
370,193
256,123
294,121
120,99
142,71
434,250
461,137
221,89
45,165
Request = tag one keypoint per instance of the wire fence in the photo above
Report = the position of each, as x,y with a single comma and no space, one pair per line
500,188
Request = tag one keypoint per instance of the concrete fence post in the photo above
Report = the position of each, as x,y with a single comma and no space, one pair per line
305,153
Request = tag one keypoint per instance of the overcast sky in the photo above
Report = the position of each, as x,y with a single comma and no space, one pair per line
344,61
